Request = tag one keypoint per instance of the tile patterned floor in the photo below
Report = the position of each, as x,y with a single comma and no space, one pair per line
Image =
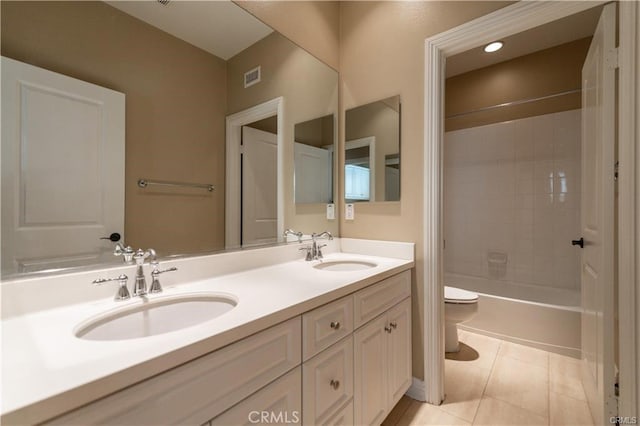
494,382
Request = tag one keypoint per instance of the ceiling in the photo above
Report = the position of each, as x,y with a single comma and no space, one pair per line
558,32
218,27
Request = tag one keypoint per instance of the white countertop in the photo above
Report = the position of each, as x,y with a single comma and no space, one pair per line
47,371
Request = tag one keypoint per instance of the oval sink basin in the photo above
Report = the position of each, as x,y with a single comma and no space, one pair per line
156,316
345,265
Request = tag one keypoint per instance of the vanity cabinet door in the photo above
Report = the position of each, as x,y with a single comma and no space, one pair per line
327,382
399,351
279,403
370,381
201,389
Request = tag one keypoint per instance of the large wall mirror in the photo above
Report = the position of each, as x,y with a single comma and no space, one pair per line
173,125
372,152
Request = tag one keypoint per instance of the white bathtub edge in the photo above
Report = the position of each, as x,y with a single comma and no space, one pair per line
560,350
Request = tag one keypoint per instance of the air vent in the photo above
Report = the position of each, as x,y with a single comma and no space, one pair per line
252,77
164,2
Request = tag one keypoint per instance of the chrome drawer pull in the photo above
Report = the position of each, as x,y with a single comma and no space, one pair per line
335,325
335,384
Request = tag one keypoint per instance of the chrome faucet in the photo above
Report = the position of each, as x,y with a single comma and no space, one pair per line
316,249
126,252
294,233
140,284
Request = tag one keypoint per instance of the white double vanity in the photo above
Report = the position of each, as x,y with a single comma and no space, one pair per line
286,341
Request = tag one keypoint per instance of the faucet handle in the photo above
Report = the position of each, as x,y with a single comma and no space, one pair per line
294,233
126,252
155,273
319,251
123,291
309,256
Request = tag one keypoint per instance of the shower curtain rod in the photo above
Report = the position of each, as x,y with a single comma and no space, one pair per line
518,102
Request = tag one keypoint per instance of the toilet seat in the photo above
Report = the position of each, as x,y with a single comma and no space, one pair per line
459,296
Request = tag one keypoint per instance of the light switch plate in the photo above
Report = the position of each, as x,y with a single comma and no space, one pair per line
349,212
331,211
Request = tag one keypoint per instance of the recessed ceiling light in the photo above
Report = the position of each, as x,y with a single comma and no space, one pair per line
492,47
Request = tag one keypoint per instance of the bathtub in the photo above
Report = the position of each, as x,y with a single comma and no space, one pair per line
541,317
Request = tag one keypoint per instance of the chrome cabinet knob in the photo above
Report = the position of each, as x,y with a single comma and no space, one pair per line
393,325
335,384
388,329
335,325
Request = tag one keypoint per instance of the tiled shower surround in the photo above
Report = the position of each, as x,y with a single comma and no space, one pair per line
512,200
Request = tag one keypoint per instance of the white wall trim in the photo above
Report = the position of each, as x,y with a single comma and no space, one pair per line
234,123
629,208
416,390
509,20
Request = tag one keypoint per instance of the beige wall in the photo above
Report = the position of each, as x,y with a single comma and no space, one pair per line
318,132
539,74
300,78
175,109
314,25
381,55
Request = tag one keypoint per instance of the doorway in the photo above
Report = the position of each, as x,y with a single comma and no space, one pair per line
249,218
509,20
259,159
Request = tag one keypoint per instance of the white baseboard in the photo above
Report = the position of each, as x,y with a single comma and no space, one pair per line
417,390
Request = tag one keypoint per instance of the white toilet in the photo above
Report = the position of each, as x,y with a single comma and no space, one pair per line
459,306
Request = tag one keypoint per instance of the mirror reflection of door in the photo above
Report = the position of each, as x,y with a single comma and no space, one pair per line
360,170
392,177
259,182
313,160
376,124
62,169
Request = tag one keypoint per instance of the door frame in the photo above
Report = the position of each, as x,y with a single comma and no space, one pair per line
233,177
629,207
509,20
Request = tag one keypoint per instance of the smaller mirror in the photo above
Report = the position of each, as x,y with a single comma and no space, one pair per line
372,151
313,160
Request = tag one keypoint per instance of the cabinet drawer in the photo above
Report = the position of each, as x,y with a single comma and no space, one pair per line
325,325
374,300
327,382
344,417
279,403
195,392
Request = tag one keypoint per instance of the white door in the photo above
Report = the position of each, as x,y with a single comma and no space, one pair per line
598,139
259,187
62,168
312,174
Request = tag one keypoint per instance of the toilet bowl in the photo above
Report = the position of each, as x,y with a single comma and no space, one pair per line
459,306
